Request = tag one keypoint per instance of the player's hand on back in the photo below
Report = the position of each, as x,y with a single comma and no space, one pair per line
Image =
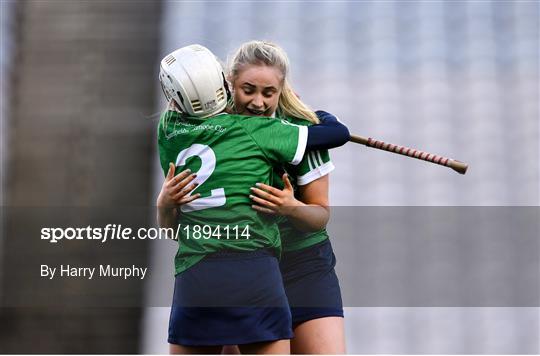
175,189
274,201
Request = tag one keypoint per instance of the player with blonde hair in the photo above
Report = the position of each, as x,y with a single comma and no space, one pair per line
259,73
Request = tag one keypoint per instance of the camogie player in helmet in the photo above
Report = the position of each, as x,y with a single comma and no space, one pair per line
228,286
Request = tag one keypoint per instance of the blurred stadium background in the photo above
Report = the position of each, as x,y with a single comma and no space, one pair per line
79,106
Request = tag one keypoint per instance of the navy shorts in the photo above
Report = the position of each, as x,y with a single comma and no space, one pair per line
230,298
311,283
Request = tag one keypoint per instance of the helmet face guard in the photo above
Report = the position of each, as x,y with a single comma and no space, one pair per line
194,79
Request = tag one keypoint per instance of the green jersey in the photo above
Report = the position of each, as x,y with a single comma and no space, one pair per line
314,165
230,154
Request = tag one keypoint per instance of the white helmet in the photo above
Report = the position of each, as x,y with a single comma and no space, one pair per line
194,79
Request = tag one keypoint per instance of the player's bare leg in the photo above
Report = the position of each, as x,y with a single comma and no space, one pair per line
320,336
230,350
175,349
280,347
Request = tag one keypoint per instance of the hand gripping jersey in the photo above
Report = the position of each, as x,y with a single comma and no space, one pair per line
230,154
314,165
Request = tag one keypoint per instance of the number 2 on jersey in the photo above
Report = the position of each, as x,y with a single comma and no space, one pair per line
208,164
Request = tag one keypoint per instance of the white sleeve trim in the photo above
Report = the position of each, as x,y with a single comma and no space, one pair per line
316,173
301,148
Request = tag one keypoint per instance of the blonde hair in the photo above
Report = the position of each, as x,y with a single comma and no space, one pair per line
270,54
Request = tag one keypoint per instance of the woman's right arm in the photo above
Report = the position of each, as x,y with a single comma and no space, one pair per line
174,193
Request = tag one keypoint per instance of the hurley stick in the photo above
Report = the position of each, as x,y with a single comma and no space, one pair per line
457,166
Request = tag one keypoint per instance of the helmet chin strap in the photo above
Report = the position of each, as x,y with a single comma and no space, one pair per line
226,85
174,106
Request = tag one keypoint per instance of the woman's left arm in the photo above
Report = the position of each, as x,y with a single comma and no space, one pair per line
308,213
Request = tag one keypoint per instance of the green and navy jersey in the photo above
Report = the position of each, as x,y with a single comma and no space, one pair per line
230,154
314,165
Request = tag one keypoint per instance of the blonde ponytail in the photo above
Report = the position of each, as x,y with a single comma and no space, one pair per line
290,105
